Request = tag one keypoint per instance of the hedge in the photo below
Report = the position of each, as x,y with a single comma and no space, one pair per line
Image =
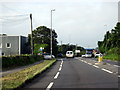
13,61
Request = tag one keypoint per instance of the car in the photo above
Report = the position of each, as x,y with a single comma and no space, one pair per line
98,54
83,56
60,55
48,56
69,54
87,55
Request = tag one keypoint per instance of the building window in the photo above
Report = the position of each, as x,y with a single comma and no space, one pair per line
8,45
0,45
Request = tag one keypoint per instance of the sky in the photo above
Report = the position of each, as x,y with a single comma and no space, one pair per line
81,22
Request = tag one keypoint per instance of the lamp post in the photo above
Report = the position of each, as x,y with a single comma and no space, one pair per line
51,33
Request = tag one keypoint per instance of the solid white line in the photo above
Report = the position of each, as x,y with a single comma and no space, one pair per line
60,68
49,86
56,76
95,66
106,70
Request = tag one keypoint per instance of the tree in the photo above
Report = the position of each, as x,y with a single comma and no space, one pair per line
41,35
111,40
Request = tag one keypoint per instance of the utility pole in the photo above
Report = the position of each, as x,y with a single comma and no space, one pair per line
31,34
51,33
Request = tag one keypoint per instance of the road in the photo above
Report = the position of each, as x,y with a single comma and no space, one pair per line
75,73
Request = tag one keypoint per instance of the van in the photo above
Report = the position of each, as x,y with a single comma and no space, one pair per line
69,54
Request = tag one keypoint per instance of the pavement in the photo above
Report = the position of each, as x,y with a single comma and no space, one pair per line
77,73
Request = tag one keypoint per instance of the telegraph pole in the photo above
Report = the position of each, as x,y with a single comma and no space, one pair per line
51,33
31,34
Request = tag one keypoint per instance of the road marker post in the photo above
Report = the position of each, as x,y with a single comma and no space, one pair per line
100,60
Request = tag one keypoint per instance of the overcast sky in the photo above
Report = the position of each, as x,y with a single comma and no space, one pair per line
82,22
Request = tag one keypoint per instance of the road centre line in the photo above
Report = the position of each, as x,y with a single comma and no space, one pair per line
49,86
89,63
106,70
116,65
95,66
56,76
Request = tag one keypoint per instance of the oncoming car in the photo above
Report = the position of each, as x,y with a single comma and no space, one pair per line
69,54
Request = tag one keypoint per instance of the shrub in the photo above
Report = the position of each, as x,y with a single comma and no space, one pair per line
13,61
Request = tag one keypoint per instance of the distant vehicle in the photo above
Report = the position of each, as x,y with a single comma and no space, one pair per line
60,55
48,56
89,53
98,54
69,54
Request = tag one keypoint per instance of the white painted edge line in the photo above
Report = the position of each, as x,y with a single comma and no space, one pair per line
49,86
56,76
106,70
95,66
60,68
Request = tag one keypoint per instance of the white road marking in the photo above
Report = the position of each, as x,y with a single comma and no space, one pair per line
60,68
116,65
82,60
89,63
85,62
118,75
106,70
56,76
49,86
95,66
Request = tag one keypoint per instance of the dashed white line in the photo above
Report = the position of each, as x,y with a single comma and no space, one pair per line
95,66
106,70
116,65
89,63
56,76
49,86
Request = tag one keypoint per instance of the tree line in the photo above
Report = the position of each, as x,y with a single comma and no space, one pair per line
111,41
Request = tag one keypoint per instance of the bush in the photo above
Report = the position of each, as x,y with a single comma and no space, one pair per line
13,61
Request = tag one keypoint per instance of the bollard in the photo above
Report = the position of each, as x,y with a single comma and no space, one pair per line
100,59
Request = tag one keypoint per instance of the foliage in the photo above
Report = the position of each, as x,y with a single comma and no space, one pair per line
38,46
111,43
14,80
65,47
41,35
111,40
14,61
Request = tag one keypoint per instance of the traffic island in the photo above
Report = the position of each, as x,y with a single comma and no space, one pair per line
17,79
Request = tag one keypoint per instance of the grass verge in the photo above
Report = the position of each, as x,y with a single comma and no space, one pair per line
114,57
16,79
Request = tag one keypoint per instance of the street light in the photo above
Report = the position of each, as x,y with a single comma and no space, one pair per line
51,32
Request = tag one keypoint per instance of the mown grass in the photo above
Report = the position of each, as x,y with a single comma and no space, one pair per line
114,57
14,80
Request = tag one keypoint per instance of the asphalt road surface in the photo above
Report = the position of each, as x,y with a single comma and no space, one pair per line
73,73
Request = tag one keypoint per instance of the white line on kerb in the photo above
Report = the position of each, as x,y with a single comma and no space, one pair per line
56,76
95,66
49,86
106,70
